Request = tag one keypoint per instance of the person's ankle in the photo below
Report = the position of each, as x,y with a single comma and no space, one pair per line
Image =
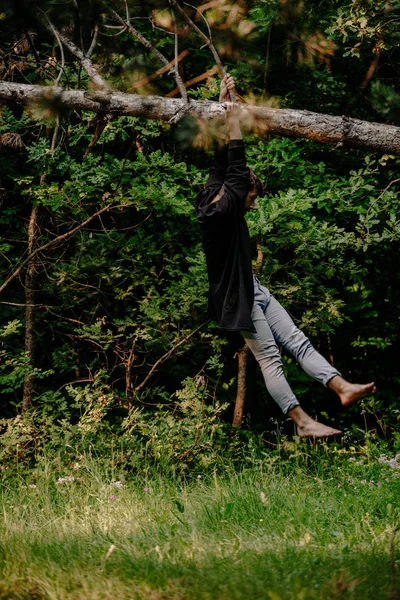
337,384
299,416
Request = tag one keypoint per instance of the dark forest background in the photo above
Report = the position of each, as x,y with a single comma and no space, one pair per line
104,328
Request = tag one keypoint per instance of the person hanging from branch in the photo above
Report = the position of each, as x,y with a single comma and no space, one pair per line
238,301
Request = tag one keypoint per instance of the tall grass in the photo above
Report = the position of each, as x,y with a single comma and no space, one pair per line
314,528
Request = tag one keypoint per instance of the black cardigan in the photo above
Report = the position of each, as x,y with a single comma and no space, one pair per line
226,239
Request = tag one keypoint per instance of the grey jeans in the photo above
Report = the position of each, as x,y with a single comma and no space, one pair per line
274,328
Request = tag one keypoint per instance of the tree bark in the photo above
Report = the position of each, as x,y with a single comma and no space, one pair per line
241,386
326,129
30,308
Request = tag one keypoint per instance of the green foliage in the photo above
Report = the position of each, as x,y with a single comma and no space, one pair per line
14,365
186,438
125,295
386,100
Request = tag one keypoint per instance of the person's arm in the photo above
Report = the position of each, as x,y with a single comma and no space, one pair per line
220,165
229,179
223,157
228,86
237,178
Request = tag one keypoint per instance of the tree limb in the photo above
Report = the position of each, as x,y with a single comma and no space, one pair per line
177,76
325,129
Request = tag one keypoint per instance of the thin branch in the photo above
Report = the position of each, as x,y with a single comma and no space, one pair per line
176,64
150,46
160,71
84,60
75,3
100,126
58,239
57,81
94,41
201,34
266,65
203,17
128,18
207,40
166,356
54,31
24,304
55,134
376,50
32,47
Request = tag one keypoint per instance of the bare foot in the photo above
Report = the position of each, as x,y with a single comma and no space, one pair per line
356,391
307,427
315,429
350,392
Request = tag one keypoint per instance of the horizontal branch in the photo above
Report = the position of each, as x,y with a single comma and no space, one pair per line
326,129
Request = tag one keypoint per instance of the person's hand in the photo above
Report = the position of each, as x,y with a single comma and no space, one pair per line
227,85
232,110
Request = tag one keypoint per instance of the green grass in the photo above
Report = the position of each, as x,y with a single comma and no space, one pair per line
273,531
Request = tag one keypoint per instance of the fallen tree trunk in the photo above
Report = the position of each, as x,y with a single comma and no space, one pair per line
326,129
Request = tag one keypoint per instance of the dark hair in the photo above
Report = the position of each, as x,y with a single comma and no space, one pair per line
255,182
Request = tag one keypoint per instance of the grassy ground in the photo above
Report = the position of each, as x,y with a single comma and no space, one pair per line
273,531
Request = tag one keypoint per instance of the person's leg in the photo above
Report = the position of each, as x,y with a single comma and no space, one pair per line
264,348
294,341
312,362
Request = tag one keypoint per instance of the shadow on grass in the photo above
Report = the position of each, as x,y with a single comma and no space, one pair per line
160,573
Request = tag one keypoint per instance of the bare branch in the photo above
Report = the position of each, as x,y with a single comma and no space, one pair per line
176,65
57,81
208,42
94,41
150,46
84,59
128,17
202,16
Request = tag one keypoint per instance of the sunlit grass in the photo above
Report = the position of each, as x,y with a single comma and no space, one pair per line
267,532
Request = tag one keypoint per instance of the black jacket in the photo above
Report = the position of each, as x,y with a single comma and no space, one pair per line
226,239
